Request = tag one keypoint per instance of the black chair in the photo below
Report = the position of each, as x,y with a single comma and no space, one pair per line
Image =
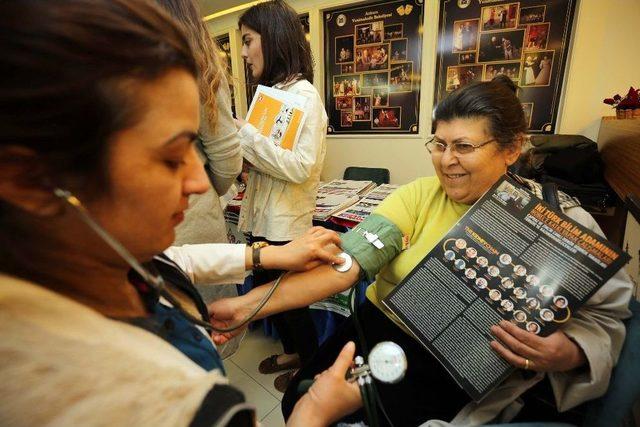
357,173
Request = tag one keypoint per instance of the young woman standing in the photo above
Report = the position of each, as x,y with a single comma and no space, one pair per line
281,191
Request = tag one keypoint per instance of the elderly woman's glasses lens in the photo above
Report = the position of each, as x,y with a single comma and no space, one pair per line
458,148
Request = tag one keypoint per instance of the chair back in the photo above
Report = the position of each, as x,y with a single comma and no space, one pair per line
615,408
358,173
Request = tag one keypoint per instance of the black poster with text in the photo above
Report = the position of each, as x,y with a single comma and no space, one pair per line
510,257
527,41
372,67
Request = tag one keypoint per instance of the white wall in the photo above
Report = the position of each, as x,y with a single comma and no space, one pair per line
603,60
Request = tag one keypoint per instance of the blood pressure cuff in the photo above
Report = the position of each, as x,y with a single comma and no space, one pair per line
363,249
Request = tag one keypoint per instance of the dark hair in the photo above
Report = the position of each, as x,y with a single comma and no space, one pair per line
495,100
285,48
68,74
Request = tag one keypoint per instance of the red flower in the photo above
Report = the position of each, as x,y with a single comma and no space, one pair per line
632,99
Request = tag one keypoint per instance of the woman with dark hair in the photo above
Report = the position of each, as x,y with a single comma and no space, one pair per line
99,110
478,133
280,198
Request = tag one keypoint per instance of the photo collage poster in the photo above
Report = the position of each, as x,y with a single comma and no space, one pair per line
251,86
224,44
527,41
372,67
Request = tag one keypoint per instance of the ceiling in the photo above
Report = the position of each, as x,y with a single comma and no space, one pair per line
207,7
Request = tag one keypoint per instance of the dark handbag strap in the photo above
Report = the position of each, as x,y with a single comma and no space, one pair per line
550,195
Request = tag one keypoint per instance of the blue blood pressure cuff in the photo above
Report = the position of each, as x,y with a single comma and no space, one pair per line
373,243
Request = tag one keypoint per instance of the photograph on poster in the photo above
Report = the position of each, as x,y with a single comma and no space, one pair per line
346,118
532,15
462,75
527,107
400,77
398,50
387,117
499,17
380,97
362,109
465,35
374,57
467,58
375,79
344,49
501,46
346,68
347,84
509,69
344,103
537,36
392,31
369,33
537,68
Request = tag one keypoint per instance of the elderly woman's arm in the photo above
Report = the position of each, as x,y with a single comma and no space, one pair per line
394,219
295,290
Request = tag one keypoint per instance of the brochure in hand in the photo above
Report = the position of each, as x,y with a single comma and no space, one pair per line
278,115
511,257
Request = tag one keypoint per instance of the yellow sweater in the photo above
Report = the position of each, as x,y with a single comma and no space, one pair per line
424,213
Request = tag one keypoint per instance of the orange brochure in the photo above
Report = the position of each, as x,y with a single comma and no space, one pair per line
278,115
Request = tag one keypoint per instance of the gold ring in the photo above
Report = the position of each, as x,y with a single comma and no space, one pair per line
526,364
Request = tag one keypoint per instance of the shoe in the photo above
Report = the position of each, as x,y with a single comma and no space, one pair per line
282,381
271,365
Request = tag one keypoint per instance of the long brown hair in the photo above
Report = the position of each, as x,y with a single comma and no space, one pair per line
285,49
204,49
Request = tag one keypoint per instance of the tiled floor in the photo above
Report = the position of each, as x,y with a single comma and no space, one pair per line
242,369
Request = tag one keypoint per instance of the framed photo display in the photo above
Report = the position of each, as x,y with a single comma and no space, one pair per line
526,40
372,67
224,45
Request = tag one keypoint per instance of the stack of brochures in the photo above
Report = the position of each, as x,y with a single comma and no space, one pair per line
336,195
278,115
365,207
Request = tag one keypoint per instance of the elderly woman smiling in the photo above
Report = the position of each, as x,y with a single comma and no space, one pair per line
479,132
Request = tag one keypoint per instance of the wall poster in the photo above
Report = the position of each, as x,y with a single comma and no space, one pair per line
224,45
526,40
372,67
250,87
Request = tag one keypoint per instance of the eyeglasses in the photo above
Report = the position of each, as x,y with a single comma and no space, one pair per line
457,149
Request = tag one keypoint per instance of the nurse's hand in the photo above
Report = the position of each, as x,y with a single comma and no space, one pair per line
331,397
526,350
317,246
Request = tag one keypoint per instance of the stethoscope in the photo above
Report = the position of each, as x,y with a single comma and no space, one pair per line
155,281
386,362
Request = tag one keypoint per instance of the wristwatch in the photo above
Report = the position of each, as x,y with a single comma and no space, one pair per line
255,254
